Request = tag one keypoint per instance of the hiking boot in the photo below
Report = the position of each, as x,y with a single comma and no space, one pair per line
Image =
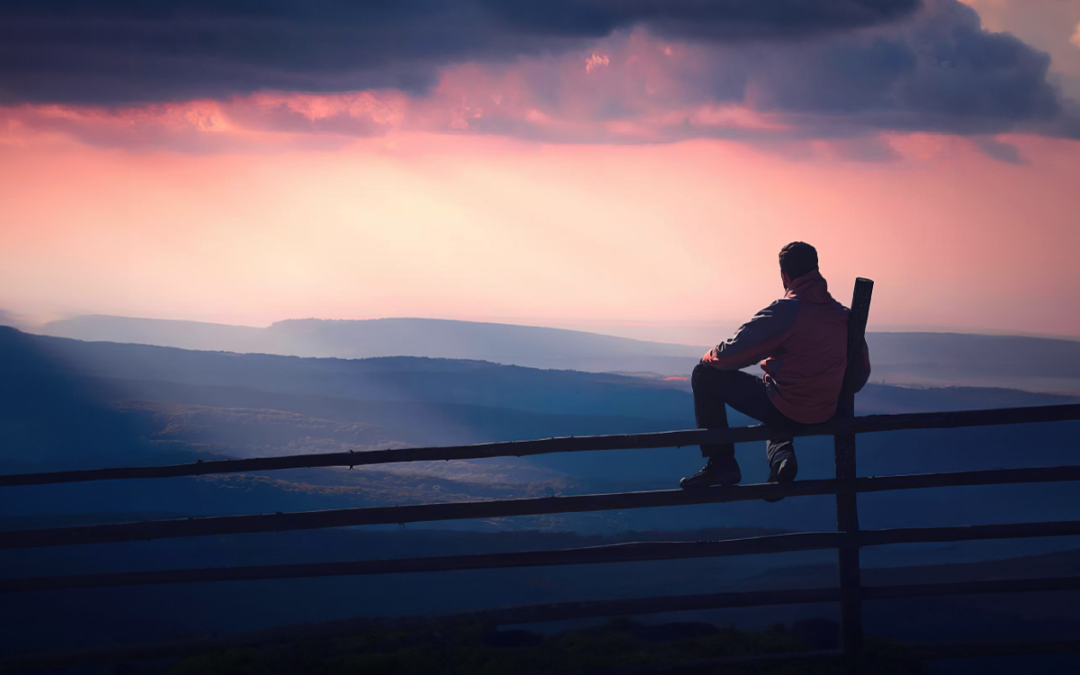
715,472
783,471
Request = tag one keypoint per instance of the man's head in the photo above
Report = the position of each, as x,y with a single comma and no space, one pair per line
796,259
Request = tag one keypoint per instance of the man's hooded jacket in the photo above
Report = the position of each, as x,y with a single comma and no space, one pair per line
801,342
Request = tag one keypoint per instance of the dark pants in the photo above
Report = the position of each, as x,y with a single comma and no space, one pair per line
743,392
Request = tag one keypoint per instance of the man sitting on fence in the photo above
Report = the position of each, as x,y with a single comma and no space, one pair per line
801,342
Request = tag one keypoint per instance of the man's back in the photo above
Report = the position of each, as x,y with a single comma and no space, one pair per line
806,373
801,342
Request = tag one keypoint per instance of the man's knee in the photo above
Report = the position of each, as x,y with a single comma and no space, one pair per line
706,378
699,377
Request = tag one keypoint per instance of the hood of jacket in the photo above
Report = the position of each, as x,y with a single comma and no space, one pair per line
810,287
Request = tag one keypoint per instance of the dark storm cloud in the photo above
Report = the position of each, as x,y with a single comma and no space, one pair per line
704,19
935,71
938,71
132,51
822,69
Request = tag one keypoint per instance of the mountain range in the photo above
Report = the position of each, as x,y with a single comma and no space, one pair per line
930,359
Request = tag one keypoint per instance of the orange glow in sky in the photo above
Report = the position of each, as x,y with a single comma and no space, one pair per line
618,181
417,224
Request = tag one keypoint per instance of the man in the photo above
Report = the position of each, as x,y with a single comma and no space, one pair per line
801,342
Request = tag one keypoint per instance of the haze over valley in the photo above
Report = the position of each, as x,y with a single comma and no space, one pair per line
1037,364
86,404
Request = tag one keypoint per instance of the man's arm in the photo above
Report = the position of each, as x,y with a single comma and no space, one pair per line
756,339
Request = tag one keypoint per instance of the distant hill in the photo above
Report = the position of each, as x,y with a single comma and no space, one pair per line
372,379
530,346
111,404
1018,362
935,359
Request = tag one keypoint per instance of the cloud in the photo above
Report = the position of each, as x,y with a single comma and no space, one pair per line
713,21
1003,152
256,123
600,71
116,52
938,71
1075,39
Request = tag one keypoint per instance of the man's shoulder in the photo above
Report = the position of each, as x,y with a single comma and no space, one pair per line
783,308
786,303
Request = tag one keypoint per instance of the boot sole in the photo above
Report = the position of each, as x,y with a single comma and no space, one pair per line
684,484
785,474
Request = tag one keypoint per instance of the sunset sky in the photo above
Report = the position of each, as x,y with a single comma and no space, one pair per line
595,163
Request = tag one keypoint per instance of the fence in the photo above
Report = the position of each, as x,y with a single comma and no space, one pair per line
848,539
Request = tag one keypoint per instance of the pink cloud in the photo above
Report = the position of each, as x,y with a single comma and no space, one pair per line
257,123
632,93
840,95
596,61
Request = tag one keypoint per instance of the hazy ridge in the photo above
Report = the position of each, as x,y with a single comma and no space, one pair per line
915,358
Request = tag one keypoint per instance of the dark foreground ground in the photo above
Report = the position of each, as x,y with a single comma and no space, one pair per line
620,645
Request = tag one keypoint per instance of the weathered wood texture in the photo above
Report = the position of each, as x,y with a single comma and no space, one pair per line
922,535
630,552
1037,585
615,553
503,508
665,439
849,567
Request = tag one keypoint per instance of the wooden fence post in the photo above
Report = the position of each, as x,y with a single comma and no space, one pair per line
847,511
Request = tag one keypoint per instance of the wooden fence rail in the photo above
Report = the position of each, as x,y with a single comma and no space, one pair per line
663,439
503,508
592,555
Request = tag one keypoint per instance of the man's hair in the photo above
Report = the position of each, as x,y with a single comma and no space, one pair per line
798,258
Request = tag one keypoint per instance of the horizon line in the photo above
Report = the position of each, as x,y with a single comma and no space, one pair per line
32,324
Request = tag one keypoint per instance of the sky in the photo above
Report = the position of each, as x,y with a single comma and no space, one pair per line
580,163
